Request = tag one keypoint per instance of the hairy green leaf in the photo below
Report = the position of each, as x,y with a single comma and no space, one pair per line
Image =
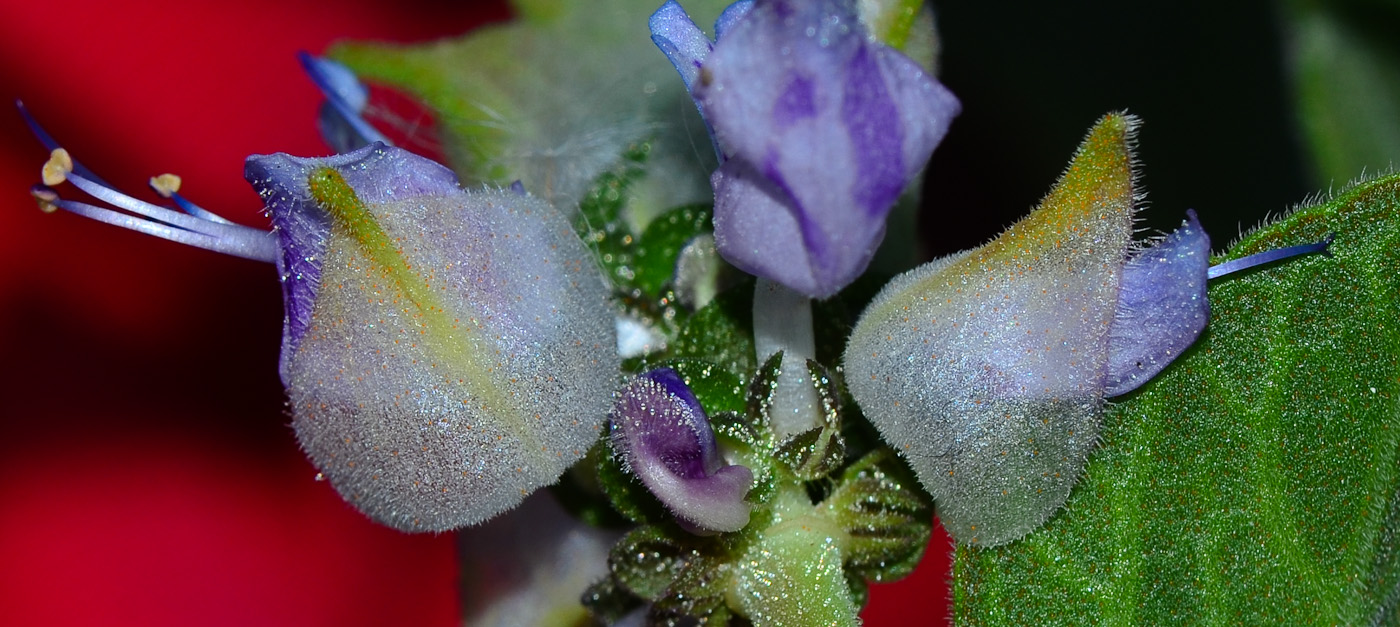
1255,482
599,222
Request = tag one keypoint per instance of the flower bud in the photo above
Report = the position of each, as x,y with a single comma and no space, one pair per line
664,437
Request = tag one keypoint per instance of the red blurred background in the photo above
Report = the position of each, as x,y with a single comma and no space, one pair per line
147,473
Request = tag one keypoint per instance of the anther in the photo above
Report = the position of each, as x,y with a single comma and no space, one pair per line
57,168
166,185
47,198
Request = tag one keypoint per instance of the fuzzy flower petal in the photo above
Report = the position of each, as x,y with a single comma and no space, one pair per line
1162,307
822,123
680,40
665,438
447,352
731,16
986,369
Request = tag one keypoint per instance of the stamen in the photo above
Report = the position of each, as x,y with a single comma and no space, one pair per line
244,241
49,142
200,228
168,186
47,198
57,168
336,83
1270,256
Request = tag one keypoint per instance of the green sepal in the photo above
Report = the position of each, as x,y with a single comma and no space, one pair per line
887,516
759,404
607,602
1257,479
793,575
696,595
816,452
646,560
749,448
627,494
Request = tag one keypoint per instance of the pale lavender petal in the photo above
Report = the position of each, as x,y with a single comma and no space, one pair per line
447,351
731,16
754,228
303,227
836,123
681,40
666,440
529,566
1162,307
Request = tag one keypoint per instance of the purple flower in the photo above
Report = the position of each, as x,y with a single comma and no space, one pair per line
820,129
988,369
445,352
663,435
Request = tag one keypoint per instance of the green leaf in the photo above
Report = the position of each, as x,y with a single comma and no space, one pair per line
721,332
1257,481
717,389
553,98
661,243
599,222
1346,75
